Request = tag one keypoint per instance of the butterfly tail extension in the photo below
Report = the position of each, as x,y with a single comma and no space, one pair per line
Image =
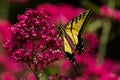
76,66
71,58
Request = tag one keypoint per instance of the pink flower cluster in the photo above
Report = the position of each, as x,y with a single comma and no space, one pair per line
34,39
61,13
109,12
89,69
5,33
95,71
9,69
8,73
91,42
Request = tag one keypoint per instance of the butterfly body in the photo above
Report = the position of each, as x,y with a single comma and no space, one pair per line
71,34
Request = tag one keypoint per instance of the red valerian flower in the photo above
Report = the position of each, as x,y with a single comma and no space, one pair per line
91,42
117,15
30,76
106,11
91,70
65,66
34,40
61,13
5,33
109,12
7,76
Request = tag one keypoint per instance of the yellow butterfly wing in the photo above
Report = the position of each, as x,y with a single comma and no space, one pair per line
69,51
71,35
68,47
74,29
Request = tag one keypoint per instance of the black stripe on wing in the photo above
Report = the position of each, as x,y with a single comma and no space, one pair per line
86,19
80,46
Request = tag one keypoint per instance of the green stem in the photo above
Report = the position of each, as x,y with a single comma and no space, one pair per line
103,41
35,70
105,36
37,77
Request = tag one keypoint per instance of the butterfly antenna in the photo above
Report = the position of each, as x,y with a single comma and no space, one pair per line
57,28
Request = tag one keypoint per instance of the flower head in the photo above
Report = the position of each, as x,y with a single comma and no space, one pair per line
7,76
117,15
106,11
91,42
34,39
109,12
61,13
5,33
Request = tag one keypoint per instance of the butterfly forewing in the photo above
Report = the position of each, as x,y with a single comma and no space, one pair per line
74,28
